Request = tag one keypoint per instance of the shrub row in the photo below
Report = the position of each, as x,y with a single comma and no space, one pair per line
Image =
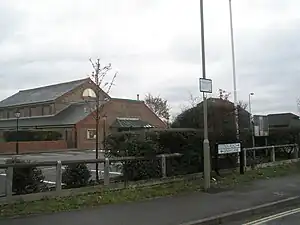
11,136
188,142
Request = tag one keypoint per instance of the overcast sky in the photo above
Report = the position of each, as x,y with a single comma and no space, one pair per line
155,46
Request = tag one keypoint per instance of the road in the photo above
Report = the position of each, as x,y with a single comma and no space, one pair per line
173,210
288,217
49,172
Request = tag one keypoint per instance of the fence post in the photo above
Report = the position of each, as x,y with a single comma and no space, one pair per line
245,158
58,176
9,182
242,162
163,166
106,171
273,154
296,150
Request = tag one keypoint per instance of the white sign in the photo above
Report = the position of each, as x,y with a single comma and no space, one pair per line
205,85
229,148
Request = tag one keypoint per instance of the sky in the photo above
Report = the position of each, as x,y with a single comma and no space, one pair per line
155,47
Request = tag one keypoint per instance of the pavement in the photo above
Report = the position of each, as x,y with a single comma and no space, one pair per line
176,210
49,172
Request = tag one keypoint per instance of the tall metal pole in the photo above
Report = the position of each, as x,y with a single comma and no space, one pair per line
206,149
250,120
17,142
234,77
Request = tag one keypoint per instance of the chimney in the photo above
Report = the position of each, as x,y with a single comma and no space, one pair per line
138,97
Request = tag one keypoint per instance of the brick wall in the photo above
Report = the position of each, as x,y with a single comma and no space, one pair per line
32,146
113,109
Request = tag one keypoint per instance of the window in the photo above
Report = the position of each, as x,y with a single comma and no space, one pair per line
26,112
89,93
47,110
91,134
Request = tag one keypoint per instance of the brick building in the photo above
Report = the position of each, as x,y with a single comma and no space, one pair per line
69,109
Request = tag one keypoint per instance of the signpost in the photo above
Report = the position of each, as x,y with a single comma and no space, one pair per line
230,148
205,86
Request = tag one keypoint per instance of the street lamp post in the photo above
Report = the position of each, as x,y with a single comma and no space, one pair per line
234,76
251,121
17,115
206,149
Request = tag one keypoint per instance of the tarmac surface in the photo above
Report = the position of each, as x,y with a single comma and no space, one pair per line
175,210
285,217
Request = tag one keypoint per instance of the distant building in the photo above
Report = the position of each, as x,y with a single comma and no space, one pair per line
283,120
68,108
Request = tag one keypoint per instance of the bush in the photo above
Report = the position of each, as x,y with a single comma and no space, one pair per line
136,144
76,175
152,143
27,180
11,136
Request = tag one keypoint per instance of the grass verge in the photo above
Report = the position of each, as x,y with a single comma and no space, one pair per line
102,197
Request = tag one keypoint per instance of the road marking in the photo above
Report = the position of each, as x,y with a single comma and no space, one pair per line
274,217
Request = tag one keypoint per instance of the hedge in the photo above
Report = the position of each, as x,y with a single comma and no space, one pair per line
153,143
188,142
12,136
28,179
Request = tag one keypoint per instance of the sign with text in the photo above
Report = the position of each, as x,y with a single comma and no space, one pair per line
229,148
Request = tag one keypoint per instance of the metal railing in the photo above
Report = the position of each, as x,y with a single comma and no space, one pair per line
251,152
107,163
9,168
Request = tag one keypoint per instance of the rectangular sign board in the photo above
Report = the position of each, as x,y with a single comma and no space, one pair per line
229,148
261,125
205,85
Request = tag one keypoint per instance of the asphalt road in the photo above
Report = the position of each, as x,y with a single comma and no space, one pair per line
49,172
173,210
288,217
293,219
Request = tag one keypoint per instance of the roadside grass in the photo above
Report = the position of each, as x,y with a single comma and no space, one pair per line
102,196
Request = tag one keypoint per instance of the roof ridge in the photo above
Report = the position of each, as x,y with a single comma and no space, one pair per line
57,84
127,99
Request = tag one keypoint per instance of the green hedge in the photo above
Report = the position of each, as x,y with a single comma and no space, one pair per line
152,143
12,136
188,142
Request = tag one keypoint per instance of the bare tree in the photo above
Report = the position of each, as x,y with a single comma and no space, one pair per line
158,105
193,101
99,73
298,105
222,94
242,104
